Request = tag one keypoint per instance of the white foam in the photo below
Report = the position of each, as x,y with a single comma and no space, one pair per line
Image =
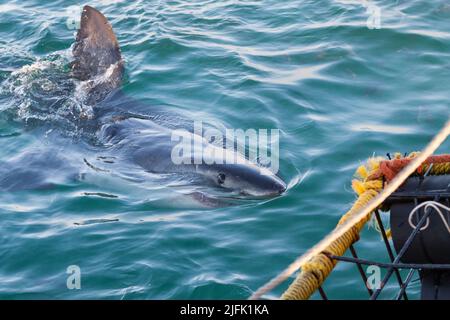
35,87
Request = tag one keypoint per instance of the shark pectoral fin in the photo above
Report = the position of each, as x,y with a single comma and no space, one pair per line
97,54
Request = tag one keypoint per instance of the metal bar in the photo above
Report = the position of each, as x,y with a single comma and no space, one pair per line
414,266
322,293
409,195
429,169
390,253
401,253
405,284
360,269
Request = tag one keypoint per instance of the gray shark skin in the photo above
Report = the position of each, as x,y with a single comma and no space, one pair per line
142,140
149,145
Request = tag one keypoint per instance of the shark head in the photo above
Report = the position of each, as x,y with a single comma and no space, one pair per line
226,168
246,179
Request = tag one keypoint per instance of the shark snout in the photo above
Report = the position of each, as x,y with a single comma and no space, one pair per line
280,186
266,186
248,180
275,186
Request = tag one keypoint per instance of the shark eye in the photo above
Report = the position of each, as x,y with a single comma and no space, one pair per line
221,178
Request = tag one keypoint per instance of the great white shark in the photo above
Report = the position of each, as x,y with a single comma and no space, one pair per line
99,68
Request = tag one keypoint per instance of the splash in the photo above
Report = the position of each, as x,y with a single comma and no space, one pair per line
44,92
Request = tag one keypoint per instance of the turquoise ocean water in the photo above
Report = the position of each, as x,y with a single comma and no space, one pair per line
338,83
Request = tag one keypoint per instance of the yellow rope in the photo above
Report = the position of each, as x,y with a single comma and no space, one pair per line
319,267
437,168
314,264
315,271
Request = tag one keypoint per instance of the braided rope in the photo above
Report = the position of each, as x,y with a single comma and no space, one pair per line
347,231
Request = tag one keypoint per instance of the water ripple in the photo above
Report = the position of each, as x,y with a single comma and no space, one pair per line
338,91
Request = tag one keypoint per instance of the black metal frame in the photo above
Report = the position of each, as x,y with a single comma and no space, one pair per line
395,265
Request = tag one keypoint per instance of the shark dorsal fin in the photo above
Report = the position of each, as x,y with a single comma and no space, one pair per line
97,53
